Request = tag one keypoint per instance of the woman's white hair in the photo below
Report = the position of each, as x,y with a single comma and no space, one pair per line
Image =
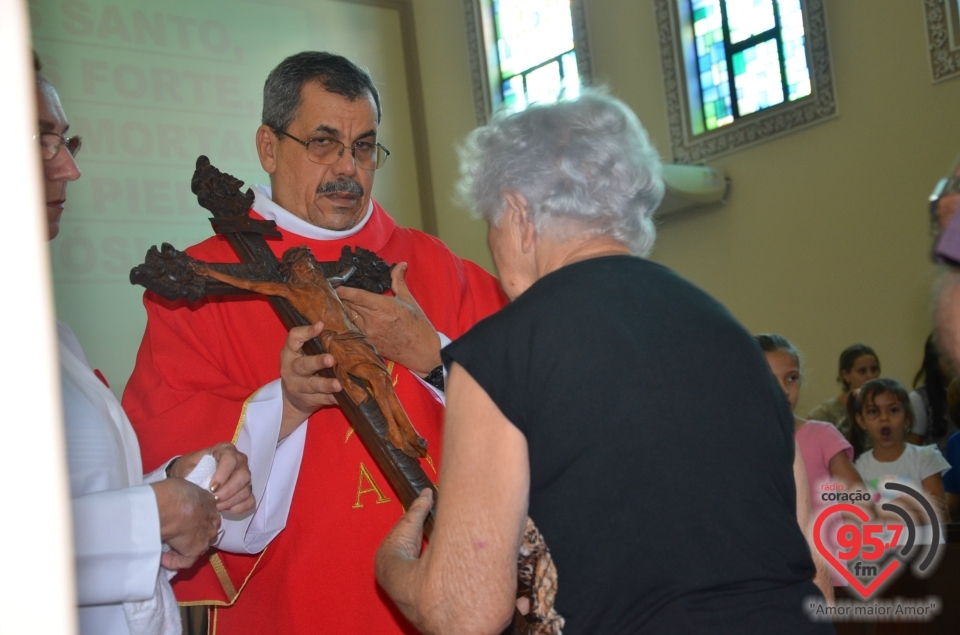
584,164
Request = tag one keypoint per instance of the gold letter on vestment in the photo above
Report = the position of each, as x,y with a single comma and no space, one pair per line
373,487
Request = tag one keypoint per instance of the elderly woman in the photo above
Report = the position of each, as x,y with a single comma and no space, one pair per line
621,407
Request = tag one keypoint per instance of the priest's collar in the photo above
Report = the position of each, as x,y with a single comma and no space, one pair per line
263,204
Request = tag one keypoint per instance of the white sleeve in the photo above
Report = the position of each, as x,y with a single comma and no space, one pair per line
919,405
158,474
931,461
273,467
444,342
116,536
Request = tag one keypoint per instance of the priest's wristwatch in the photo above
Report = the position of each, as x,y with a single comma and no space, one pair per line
435,378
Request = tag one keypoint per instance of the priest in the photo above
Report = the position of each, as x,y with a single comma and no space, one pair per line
208,371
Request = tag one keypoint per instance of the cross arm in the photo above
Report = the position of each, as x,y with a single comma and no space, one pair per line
168,273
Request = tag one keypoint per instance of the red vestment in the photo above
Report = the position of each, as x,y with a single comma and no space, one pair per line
197,366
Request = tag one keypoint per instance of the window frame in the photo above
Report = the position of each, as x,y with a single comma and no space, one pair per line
484,58
682,86
943,37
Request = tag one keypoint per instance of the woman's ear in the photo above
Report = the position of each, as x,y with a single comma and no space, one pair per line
515,205
517,210
266,149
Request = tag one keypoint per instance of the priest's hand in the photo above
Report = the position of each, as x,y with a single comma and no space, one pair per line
304,392
189,521
396,324
230,483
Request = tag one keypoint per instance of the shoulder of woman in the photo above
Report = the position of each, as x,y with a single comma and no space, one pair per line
817,412
829,411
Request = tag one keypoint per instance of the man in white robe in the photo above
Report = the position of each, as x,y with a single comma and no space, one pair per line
123,518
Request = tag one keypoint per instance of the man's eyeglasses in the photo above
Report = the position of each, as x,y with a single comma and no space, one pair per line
327,151
51,142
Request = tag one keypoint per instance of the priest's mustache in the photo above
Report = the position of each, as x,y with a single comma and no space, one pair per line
341,185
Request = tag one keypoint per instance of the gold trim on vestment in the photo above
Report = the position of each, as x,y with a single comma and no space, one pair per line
243,415
226,583
229,590
236,592
390,366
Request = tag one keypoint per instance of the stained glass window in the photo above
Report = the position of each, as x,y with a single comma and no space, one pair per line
750,55
535,51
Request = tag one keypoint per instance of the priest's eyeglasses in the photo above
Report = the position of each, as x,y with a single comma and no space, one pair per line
327,151
51,142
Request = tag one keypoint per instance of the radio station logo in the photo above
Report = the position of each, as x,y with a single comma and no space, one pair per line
870,555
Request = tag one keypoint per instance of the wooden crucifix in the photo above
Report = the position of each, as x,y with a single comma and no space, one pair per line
301,290
170,273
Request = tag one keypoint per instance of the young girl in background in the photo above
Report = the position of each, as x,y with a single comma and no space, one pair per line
858,365
826,454
883,413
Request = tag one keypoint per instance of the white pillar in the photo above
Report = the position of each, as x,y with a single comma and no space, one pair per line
36,566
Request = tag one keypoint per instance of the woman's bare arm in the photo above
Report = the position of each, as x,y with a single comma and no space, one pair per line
465,580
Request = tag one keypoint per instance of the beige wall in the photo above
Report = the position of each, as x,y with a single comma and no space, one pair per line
448,102
824,237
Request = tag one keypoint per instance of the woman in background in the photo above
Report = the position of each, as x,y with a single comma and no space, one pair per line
858,365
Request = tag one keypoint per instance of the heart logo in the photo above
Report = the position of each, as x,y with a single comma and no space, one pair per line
878,548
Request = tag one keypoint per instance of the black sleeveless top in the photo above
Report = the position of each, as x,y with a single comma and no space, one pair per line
661,452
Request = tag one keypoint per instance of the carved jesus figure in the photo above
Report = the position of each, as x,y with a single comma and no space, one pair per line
359,367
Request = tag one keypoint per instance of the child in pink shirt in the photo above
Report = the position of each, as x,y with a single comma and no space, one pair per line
826,454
